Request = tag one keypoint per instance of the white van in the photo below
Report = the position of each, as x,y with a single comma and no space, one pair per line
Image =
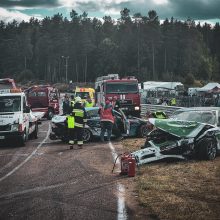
17,122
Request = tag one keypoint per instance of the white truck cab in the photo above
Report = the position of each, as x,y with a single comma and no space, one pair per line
17,122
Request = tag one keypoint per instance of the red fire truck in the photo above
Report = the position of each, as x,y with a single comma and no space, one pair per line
125,90
7,83
43,98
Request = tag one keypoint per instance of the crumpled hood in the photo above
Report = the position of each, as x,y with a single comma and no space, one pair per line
178,128
58,118
6,119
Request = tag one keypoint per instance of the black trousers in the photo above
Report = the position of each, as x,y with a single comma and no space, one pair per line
78,135
71,134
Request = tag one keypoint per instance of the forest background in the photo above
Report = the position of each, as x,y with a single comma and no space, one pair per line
56,49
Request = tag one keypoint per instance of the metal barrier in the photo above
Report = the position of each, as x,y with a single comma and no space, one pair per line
152,108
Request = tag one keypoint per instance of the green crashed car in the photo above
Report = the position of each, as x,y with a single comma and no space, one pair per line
191,133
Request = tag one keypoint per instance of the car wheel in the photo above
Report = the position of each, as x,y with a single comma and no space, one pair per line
207,149
143,131
87,136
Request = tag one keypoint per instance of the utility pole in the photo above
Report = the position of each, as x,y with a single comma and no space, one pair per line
66,65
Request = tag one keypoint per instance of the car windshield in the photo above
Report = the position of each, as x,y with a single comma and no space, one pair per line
208,117
118,87
82,95
10,104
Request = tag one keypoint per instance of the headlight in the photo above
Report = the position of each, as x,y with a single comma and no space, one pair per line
15,127
136,108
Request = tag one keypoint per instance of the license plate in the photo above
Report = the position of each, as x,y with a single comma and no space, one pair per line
2,137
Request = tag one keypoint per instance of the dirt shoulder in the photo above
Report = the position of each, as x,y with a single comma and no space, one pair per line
176,190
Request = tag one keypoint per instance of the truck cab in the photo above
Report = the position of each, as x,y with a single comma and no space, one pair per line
85,93
43,98
17,122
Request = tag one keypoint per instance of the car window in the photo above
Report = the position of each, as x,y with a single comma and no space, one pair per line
92,113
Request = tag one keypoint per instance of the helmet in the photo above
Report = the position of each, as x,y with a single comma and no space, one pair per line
78,99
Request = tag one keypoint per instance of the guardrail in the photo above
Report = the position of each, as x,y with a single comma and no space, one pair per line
152,108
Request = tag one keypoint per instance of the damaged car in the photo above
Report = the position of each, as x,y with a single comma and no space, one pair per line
127,126
193,133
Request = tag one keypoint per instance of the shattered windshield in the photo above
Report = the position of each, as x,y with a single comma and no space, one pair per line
208,117
10,104
119,87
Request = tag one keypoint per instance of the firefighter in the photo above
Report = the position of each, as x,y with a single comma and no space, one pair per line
66,104
71,103
88,102
107,120
79,114
71,124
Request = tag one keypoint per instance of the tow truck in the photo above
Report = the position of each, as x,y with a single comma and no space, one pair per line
17,122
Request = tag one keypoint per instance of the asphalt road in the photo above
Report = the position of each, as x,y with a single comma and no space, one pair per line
47,180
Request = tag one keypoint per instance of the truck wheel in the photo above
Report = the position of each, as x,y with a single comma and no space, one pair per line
50,114
23,139
207,149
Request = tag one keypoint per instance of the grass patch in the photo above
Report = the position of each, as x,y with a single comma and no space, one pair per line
178,190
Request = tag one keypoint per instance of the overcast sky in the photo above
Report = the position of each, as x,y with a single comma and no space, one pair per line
199,10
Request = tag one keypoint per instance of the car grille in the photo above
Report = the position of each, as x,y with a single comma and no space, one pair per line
5,127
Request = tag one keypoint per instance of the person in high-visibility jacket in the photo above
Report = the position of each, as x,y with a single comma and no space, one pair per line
79,114
88,103
71,124
173,101
159,115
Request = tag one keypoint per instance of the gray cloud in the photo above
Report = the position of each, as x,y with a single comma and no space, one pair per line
180,9
28,3
196,9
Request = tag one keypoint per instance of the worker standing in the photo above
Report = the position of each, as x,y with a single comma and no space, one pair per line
71,124
79,114
107,120
65,104
72,102
88,103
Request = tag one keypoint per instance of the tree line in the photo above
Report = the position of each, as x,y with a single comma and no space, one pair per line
57,49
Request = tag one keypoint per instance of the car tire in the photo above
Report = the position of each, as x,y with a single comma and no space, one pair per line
207,149
87,135
143,131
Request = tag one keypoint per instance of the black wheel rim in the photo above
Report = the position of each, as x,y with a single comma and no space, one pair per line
144,131
86,135
211,150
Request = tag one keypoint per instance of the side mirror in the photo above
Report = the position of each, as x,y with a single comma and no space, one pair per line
27,109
